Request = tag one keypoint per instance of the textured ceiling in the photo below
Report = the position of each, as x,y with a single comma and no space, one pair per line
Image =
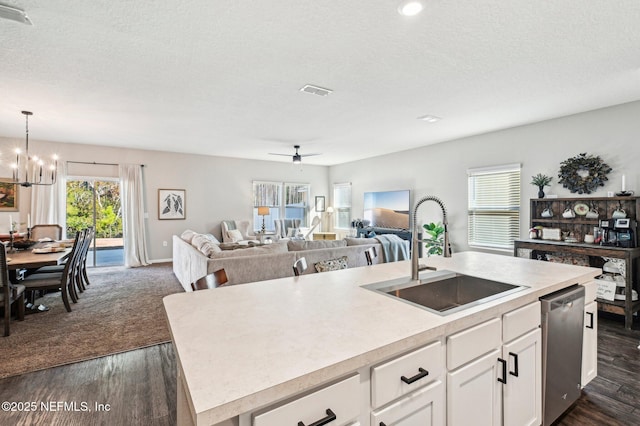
223,77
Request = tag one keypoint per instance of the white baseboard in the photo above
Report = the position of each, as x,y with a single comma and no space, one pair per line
160,260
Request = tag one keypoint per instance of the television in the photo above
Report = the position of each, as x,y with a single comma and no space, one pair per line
387,209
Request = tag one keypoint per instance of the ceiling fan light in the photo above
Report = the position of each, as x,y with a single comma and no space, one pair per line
410,8
297,159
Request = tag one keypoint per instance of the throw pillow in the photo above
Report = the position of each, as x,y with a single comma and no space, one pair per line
234,235
188,235
209,249
292,232
211,238
332,264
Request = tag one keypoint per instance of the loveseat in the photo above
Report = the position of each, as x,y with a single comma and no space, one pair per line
195,259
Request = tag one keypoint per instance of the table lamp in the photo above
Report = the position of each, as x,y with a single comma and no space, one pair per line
263,211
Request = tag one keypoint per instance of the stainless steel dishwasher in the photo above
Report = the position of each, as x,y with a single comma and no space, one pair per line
562,327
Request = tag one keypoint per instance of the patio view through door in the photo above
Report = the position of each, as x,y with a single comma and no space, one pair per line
96,202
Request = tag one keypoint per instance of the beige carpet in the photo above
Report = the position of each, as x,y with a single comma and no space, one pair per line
121,310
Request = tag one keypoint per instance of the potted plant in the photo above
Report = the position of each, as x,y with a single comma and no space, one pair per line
541,181
433,238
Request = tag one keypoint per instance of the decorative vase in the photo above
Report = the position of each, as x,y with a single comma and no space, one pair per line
541,192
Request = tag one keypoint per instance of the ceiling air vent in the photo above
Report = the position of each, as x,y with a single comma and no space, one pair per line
315,90
13,14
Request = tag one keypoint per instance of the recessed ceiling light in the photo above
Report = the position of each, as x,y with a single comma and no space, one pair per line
13,14
429,118
315,90
410,8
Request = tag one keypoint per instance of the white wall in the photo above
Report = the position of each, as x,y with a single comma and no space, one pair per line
220,188
217,188
612,133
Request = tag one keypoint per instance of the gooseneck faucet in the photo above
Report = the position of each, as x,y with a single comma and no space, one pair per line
446,249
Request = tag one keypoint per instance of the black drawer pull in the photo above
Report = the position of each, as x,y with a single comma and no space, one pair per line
590,320
331,416
422,373
515,362
504,371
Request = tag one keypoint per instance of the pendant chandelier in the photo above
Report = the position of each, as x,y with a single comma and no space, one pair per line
30,170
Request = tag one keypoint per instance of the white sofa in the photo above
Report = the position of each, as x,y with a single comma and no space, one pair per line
265,262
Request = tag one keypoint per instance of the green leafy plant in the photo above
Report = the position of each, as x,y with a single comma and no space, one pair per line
433,238
541,180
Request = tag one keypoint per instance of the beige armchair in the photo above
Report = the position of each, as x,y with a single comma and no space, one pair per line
234,231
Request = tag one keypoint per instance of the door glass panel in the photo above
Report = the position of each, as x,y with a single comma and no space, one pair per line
95,202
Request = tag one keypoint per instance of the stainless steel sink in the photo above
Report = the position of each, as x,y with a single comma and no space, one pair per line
445,292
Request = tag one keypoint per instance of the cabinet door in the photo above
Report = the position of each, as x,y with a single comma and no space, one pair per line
424,407
474,394
590,343
522,392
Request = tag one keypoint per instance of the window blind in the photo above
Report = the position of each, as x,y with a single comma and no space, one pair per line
342,205
267,194
494,206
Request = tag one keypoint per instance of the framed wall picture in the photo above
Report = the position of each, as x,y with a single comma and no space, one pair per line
8,197
172,204
320,203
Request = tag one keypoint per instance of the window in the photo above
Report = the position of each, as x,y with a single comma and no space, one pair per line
342,205
285,200
494,206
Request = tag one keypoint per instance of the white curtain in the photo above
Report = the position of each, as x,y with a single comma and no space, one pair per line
133,226
48,202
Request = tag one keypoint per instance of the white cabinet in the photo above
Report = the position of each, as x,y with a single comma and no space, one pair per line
474,396
522,392
495,371
404,374
590,334
411,387
590,343
334,404
424,407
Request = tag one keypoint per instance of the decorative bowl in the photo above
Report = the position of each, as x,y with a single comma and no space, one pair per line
23,244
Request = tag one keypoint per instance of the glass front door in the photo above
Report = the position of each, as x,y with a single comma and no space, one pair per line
96,203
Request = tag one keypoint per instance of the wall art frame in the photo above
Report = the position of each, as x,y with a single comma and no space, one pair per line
9,195
172,204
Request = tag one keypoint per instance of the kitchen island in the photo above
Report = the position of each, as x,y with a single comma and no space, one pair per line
242,349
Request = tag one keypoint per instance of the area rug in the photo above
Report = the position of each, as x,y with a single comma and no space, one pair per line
120,311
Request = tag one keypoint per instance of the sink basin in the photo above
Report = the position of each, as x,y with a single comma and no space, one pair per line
445,292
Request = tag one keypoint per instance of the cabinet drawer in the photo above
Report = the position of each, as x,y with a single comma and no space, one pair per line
520,321
423,407
473,342
341,399
590,291
387,381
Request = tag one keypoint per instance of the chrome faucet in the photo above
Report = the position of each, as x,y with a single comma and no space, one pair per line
446,248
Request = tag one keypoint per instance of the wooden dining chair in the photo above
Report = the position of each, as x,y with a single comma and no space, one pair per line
212,280
299,266
11,293
52,231
57,281
370,253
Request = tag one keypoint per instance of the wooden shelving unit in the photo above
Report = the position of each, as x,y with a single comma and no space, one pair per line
580,226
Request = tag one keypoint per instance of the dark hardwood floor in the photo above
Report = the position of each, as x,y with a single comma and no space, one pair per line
612,398
140,387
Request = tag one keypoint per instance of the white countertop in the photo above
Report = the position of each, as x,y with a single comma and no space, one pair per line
241,347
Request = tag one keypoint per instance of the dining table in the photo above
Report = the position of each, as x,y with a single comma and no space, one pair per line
28,259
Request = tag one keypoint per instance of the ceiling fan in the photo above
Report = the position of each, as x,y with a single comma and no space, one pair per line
297,158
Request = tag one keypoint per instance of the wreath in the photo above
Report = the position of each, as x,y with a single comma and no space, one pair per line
583,173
